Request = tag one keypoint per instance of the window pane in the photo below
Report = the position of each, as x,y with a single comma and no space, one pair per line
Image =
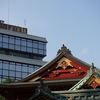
29,43
17,41
18,74
29,49
5,38
0,73
27,56
31,69
35,44
24,69
5,45
2,52
5,72
44,46
0,38
11,39
35,50
23,48
0,44
23,42
11,46
41,46
17,47
44,52
40,51
39,58
37,67
18,68
12,66
5,66
12,73
24,75
1,65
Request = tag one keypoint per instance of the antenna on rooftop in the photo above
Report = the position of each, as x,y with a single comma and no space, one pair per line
24,22
8,12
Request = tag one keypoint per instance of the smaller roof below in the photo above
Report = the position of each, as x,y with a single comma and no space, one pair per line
91,79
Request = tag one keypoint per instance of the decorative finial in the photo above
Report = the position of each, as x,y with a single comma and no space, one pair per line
63,44
92,69
64,50
93,64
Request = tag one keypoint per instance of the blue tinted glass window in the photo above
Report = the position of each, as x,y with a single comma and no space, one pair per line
0,65
5,65
5,45
11,46
18,74
35,50
17,41
5,38
17,47
23,48
24,69
11,39
35,57
0,73
44,52
27,56
0,44
30,69
23,42
5,72
29,43
29,49
44,46
40,46
12,73
25,65
18,67
35,44
40,51
12,66
39,58
24,75
36,67
2,52
0,37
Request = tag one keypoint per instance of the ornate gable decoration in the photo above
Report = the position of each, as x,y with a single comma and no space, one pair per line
65,69
64,63
62,69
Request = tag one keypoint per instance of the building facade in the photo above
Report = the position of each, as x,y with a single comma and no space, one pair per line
20,53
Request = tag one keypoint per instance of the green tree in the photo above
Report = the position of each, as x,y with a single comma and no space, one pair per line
8,80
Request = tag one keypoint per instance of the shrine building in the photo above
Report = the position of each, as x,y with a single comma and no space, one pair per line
63,78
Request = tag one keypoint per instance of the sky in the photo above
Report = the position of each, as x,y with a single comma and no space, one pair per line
76,23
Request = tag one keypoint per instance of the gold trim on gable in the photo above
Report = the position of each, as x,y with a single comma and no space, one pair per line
68,62
34,79
93,78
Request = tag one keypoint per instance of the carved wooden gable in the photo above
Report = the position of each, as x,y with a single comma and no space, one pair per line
65,69
62,69
93,82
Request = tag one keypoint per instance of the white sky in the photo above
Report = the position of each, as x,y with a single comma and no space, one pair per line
76,23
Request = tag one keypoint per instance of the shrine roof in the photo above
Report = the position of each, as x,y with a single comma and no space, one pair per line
93,72
35,84
63,52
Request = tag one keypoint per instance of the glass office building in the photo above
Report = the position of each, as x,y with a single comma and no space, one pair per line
20,53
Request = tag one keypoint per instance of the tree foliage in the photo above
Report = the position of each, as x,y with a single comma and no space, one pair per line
8,80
